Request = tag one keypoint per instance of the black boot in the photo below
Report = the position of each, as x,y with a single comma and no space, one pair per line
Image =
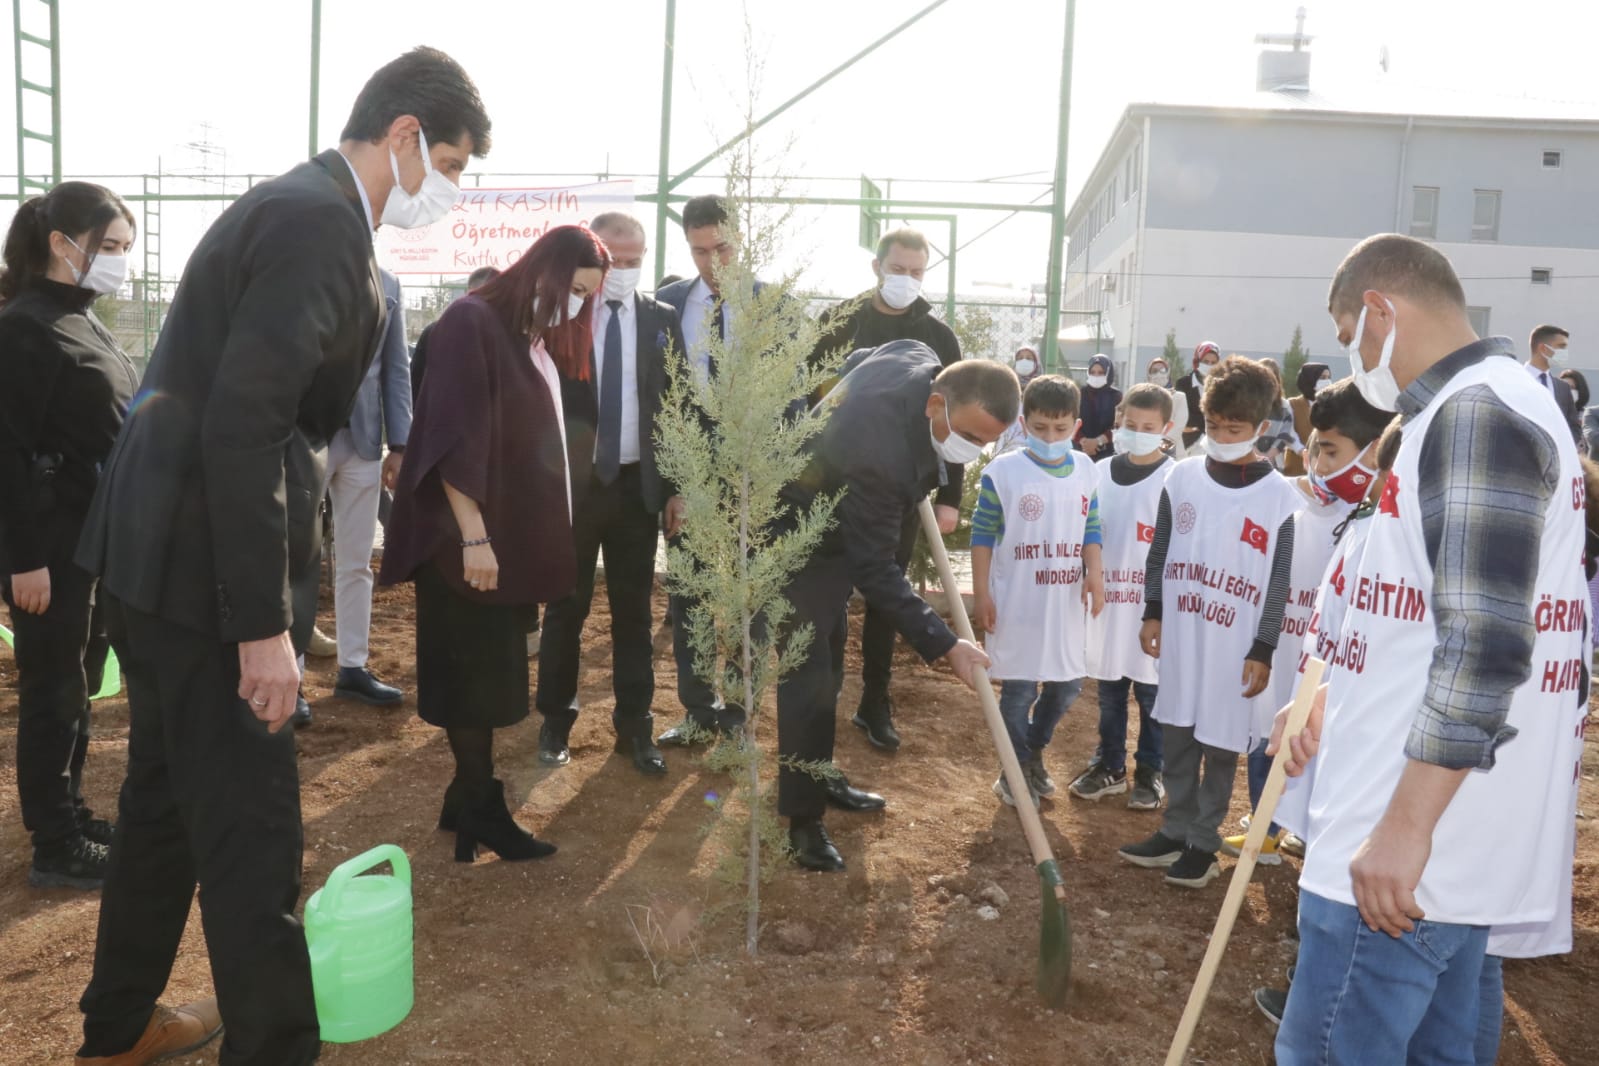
633,740
72,863
811,847
875,717
487,822
454,799
553,744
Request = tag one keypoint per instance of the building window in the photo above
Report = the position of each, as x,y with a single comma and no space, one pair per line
1485,216
1138,165
1424,212
1132,268
1542,275
1479,320
1551,160
1113,197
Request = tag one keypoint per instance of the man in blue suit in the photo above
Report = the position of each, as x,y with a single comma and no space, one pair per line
698,304
358,471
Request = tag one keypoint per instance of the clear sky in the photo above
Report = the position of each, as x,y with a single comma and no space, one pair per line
969,93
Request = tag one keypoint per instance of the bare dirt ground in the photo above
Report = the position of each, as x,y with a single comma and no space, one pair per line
889,963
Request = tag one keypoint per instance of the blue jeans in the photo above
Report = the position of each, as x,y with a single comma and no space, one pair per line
1113,726
1490,1009
1259,769
1030,733
1360,997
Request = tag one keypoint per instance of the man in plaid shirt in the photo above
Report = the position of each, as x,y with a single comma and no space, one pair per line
1443,798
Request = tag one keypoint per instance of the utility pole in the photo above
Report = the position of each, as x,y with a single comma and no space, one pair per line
1057,226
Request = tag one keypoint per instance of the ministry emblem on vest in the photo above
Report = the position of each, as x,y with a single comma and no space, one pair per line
1186,517
1031,507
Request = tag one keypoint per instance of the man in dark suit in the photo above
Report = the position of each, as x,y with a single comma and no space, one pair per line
699,308
898,416
1549,354
619,496
893,310
204,524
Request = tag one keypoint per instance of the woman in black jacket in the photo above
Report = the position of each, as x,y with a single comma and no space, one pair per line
65,387
1192,386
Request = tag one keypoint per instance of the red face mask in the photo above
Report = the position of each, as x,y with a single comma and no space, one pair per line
1349,484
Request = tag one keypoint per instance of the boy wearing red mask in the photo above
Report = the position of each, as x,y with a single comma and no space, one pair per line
1341,473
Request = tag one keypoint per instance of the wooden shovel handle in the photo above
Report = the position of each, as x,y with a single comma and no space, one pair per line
1258,824
1032,825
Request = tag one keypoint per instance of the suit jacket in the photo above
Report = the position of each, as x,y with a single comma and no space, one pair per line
1566,400
876,447
208,510
659,330
382,413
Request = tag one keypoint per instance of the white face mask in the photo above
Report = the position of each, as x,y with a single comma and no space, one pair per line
899,291
1229,453
1323,385
1377,386
621,282
1160,377
1201,369
574,307
105,274
1131,442
953,448
1096,381
1025,367
1558,356
431,201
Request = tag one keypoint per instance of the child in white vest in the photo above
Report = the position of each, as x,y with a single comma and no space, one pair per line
1214,589
1036,574
1129,497
1342,470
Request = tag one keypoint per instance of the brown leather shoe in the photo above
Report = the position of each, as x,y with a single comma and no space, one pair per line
169,1034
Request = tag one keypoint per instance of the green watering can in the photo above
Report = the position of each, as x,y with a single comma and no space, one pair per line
358,930
110,685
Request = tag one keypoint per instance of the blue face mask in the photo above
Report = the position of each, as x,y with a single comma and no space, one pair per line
1049,451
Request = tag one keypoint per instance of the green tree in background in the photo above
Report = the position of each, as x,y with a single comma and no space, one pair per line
974,328
1171,355
1293,359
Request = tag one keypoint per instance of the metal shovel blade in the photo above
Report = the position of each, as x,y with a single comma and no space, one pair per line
1054,938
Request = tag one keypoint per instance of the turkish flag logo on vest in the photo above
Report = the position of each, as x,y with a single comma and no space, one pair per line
1146,534
1389,503
1254,536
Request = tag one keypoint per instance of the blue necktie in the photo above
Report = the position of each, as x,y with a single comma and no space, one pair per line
608,450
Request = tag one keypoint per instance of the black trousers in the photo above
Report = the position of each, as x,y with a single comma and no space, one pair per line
807,698
61,658
610,518
878,632
702,705
213,799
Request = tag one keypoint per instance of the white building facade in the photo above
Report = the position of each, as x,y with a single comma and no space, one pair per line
1226,223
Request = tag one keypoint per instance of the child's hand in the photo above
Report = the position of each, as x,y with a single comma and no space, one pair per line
987,614
1301,748
1094,590
1256,677
1149,638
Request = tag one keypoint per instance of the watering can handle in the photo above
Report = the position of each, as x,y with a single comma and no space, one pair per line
383,853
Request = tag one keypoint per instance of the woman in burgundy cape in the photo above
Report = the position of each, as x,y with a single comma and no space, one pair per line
482,514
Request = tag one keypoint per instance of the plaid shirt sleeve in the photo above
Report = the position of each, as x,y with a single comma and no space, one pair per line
1486,477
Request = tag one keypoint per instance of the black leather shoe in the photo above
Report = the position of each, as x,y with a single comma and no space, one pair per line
553,750
646,756
844,796
683,736
302,712
357,683
875,718
812,848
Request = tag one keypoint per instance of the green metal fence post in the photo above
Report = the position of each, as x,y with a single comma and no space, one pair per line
662,174
1057,225
316,70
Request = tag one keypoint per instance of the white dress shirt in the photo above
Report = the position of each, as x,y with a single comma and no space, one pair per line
697,311
1549,382
627,319
366,203
552,380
